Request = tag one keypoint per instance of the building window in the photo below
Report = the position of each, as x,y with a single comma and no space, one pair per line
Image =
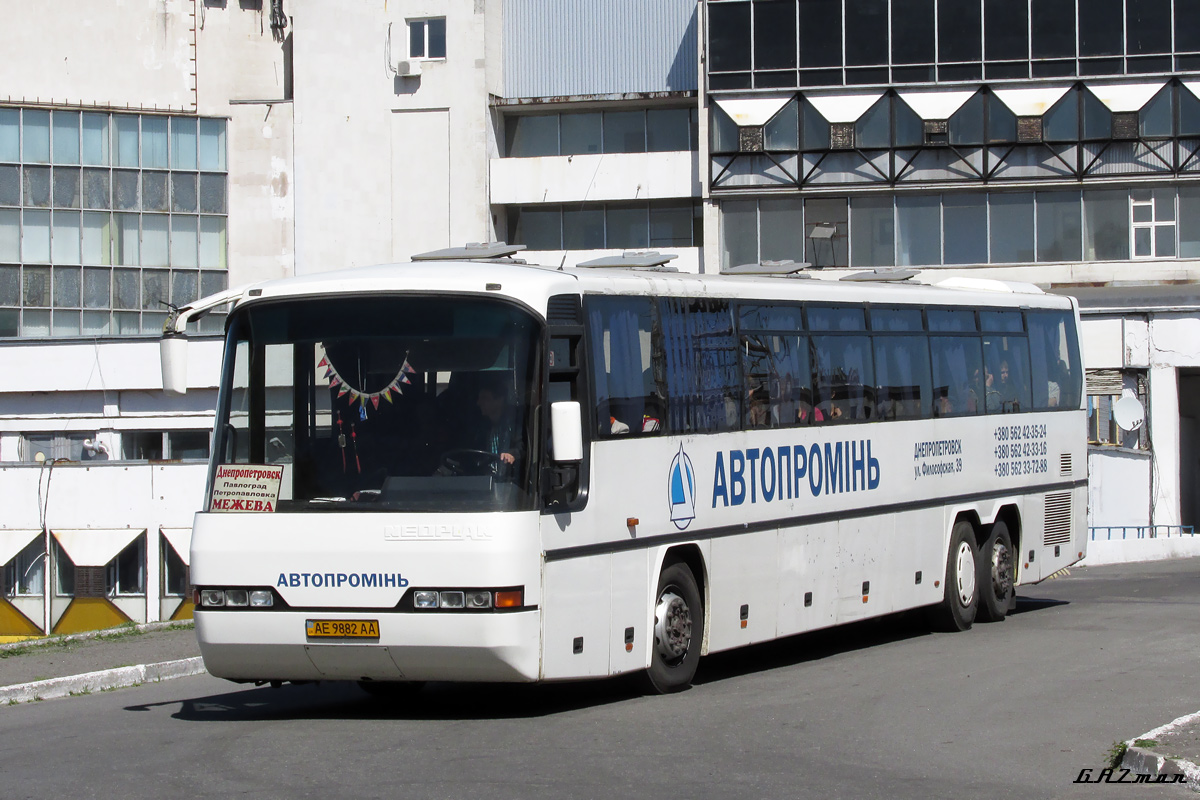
168,445
126,574
53,446
427,38
26,573
174,571
106,218
607,226
655,130
1152,215
1104,388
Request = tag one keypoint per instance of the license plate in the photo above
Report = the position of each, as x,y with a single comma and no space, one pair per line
342,628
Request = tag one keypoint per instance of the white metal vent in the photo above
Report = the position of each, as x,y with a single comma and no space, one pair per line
1057,527
1064,465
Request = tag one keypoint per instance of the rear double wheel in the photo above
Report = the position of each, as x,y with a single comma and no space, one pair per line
960,600
678,630
996,570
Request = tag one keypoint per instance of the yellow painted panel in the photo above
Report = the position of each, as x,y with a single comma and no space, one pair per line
89,614
184,611
14,623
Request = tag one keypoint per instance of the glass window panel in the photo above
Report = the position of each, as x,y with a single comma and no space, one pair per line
739,232
966,125
874,128
154,191
154,289
532,136
184,241
10,185
781,234
624,132
127,324
670,225
183,192
583,228
836,318
1053,28
951,320
183,286
897,320
154,240
869,21
10,134
186,445
918,230
1143,212
127,239
211,283
1164,205
771,318
212,144
96,288
1101,27
1156,118
1006,374
1189,222
35,286
774,34
1164,241
10,286
1106,225
66,187
127,140
1001,321
1187,25
1147,26
95,139
729,36
1006,27
67,288
10,235
183,143
1059,226
844,379
212,242
35,323
824,213
668,129
872,232
820,33
957,375
125,189
10,322
212,193
37,186
782,131
912,31
97,238
1011,228
66,137
959,30
126,289
416,39
581,133
902,377
35,136
1097,119
965,220
816,129
66,237
626,226
153,323
35,237
1061,123
723,131
96,191
154,143
537,228
437,37
97,323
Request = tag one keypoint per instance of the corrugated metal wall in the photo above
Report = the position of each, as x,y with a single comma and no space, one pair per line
573,47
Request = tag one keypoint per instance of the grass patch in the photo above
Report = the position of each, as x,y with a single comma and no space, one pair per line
1114,754
1146,743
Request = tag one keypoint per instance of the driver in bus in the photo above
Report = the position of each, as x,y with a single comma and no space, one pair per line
500,437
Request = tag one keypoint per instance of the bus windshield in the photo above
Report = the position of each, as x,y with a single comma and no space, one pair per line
385,403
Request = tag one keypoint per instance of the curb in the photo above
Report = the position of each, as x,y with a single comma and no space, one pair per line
1144,761
145,627
103,680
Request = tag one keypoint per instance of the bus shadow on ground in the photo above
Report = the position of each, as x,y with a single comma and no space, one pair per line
450,701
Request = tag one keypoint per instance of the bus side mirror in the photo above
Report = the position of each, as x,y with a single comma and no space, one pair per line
566,430
172,349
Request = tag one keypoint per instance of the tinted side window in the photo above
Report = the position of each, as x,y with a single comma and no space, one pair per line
777,371
703,379
1006,374
903,386
843,378
1054,357
957,375
623,348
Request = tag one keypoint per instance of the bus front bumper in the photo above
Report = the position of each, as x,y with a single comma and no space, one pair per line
273,645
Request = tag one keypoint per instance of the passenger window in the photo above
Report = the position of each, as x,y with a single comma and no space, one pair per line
777,371
1054,356
703,380
948,320
843,378
629,398
1006,374
957,375
836,318
902,376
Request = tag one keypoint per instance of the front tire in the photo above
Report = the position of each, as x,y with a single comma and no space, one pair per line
678,630
996,574
960,602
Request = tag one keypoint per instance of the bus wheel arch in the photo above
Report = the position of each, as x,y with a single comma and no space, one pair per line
998,565
678,625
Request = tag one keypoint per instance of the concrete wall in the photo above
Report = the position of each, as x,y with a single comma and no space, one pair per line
595,178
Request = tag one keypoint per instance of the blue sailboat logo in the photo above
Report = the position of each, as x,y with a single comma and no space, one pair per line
682,490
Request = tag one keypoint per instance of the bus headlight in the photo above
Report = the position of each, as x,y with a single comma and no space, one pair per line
425,599
450,599
262,598
478,599
212,598
466,599
238,598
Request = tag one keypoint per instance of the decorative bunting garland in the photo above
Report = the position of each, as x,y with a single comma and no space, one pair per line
357,396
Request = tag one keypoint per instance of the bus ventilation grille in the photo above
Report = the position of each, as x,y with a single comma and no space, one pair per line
564,309
1057,529
1064,465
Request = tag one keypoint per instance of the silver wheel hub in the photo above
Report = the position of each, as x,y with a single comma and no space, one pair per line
1001,569
964,573
672,627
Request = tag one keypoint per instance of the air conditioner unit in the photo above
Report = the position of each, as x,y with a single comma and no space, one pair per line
408,68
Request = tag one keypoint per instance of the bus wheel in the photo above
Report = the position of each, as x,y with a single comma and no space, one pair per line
957,610
996,574
678,631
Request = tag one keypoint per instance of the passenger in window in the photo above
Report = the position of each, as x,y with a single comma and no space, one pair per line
1054,384
758,414
501,438
1007,388
942,406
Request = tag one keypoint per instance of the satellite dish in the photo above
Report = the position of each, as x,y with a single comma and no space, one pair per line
1128,413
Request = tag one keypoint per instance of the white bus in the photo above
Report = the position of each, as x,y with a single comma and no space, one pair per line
479,470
